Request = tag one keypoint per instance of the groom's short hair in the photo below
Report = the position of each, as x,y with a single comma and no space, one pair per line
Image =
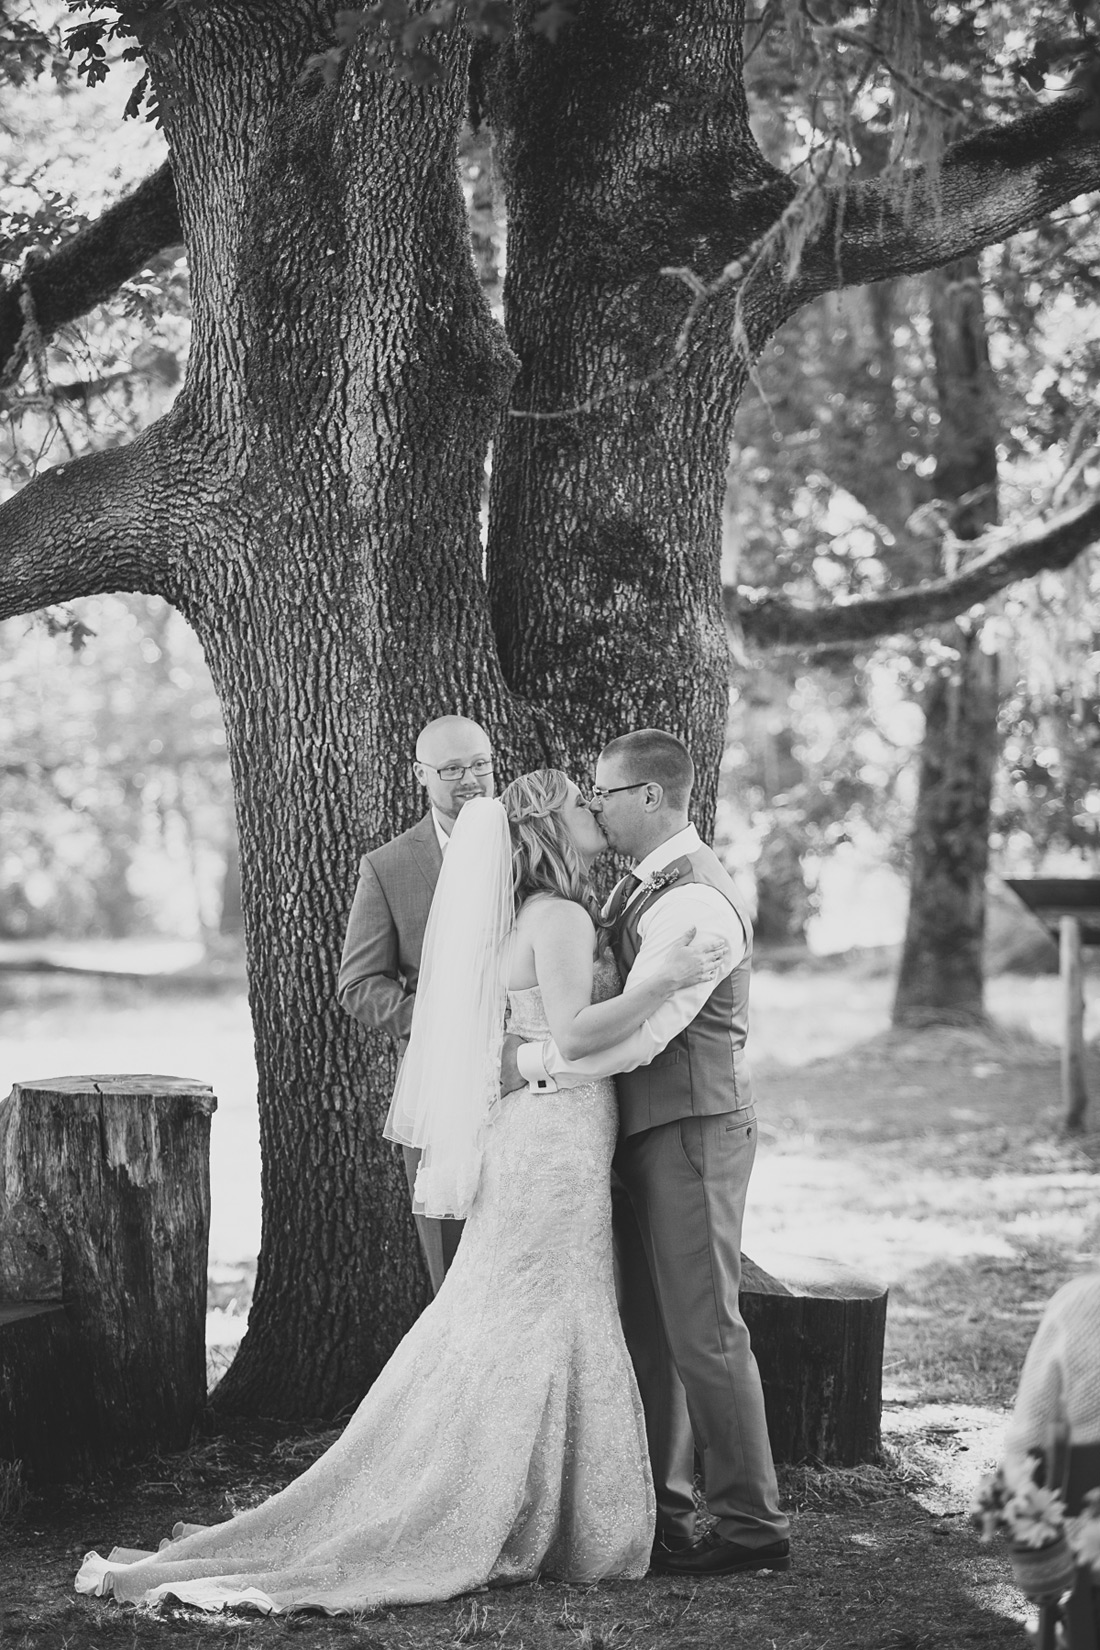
650,753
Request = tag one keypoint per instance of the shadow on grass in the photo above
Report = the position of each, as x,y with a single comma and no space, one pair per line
873,1569
960,1329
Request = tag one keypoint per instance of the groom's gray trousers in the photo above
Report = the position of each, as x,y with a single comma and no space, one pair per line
678,1197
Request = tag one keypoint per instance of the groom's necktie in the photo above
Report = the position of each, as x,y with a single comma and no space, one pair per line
621,897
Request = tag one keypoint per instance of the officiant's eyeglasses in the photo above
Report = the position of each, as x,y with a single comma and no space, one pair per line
596,793
459,770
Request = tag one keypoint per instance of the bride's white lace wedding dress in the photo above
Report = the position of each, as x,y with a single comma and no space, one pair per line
503,1440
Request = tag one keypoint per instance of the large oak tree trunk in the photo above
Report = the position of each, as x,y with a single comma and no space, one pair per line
328,556
941,979
608,474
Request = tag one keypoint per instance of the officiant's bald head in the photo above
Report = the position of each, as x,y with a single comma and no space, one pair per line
454,762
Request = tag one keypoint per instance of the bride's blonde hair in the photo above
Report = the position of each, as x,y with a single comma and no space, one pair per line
544,858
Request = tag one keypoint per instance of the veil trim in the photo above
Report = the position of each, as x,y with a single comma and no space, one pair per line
448,1085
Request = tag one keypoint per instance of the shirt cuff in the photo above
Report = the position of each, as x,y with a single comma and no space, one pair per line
532,1067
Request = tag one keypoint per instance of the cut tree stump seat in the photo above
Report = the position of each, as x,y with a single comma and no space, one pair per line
818,1334
104,1222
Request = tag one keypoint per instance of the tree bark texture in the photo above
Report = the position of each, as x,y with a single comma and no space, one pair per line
311,504
46,1419
625,151
941,979
106,1207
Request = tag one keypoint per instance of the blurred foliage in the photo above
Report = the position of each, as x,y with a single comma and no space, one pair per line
114,781
1049,802
30,45
1051,792
832,485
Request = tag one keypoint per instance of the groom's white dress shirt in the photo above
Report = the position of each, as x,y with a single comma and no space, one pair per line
440,834
661,927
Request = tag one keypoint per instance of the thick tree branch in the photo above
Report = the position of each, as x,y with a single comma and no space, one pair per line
101,523
86,269
987,186
773,622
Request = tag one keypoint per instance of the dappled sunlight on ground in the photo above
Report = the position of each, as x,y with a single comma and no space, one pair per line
801,1014
932,1162
865,1160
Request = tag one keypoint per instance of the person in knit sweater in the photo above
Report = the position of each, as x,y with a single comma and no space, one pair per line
1060,1380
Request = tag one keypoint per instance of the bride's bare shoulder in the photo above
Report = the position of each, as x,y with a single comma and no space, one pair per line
551,915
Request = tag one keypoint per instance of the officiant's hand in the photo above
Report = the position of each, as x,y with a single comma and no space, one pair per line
510,1075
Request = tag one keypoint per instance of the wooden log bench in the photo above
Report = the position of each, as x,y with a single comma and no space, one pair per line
818,1337
104,1224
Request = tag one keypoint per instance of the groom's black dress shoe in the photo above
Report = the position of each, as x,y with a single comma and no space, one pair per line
668,1546
711,1555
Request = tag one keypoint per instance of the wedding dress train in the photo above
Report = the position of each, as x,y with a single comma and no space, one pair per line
503,1440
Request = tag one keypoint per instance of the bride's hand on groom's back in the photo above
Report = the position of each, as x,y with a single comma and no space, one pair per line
694,958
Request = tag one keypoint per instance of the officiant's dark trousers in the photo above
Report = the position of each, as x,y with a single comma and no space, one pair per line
678,1213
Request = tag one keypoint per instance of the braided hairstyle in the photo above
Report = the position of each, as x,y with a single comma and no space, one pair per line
544,858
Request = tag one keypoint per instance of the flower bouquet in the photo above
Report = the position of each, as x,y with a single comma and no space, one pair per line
1034,1518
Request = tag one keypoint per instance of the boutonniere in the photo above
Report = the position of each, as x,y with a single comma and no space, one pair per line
659,879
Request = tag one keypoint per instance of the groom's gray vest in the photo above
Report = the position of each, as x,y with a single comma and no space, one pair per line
703,1071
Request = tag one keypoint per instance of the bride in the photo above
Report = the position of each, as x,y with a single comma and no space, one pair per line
504,1439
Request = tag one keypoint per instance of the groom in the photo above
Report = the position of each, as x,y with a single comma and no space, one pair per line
686,1147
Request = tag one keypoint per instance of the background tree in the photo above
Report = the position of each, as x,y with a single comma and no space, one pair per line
874,410
941,978
311,501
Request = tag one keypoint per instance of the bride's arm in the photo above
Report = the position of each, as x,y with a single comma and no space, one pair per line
562,938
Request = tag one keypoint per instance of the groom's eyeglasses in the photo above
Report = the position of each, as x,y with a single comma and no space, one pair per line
459,770
596,793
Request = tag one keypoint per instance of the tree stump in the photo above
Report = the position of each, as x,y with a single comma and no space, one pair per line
104,1223
818,1338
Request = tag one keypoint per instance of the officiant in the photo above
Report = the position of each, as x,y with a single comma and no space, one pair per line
381,958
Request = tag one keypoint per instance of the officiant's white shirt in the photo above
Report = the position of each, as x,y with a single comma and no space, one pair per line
663,925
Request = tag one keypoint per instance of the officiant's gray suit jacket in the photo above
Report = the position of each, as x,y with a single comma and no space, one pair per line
381,961
380,967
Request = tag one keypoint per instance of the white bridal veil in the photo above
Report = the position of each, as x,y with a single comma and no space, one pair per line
449,1082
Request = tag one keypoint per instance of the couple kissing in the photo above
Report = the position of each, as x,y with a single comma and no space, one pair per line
576,1115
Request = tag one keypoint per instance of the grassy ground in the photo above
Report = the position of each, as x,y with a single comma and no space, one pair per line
933,1161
